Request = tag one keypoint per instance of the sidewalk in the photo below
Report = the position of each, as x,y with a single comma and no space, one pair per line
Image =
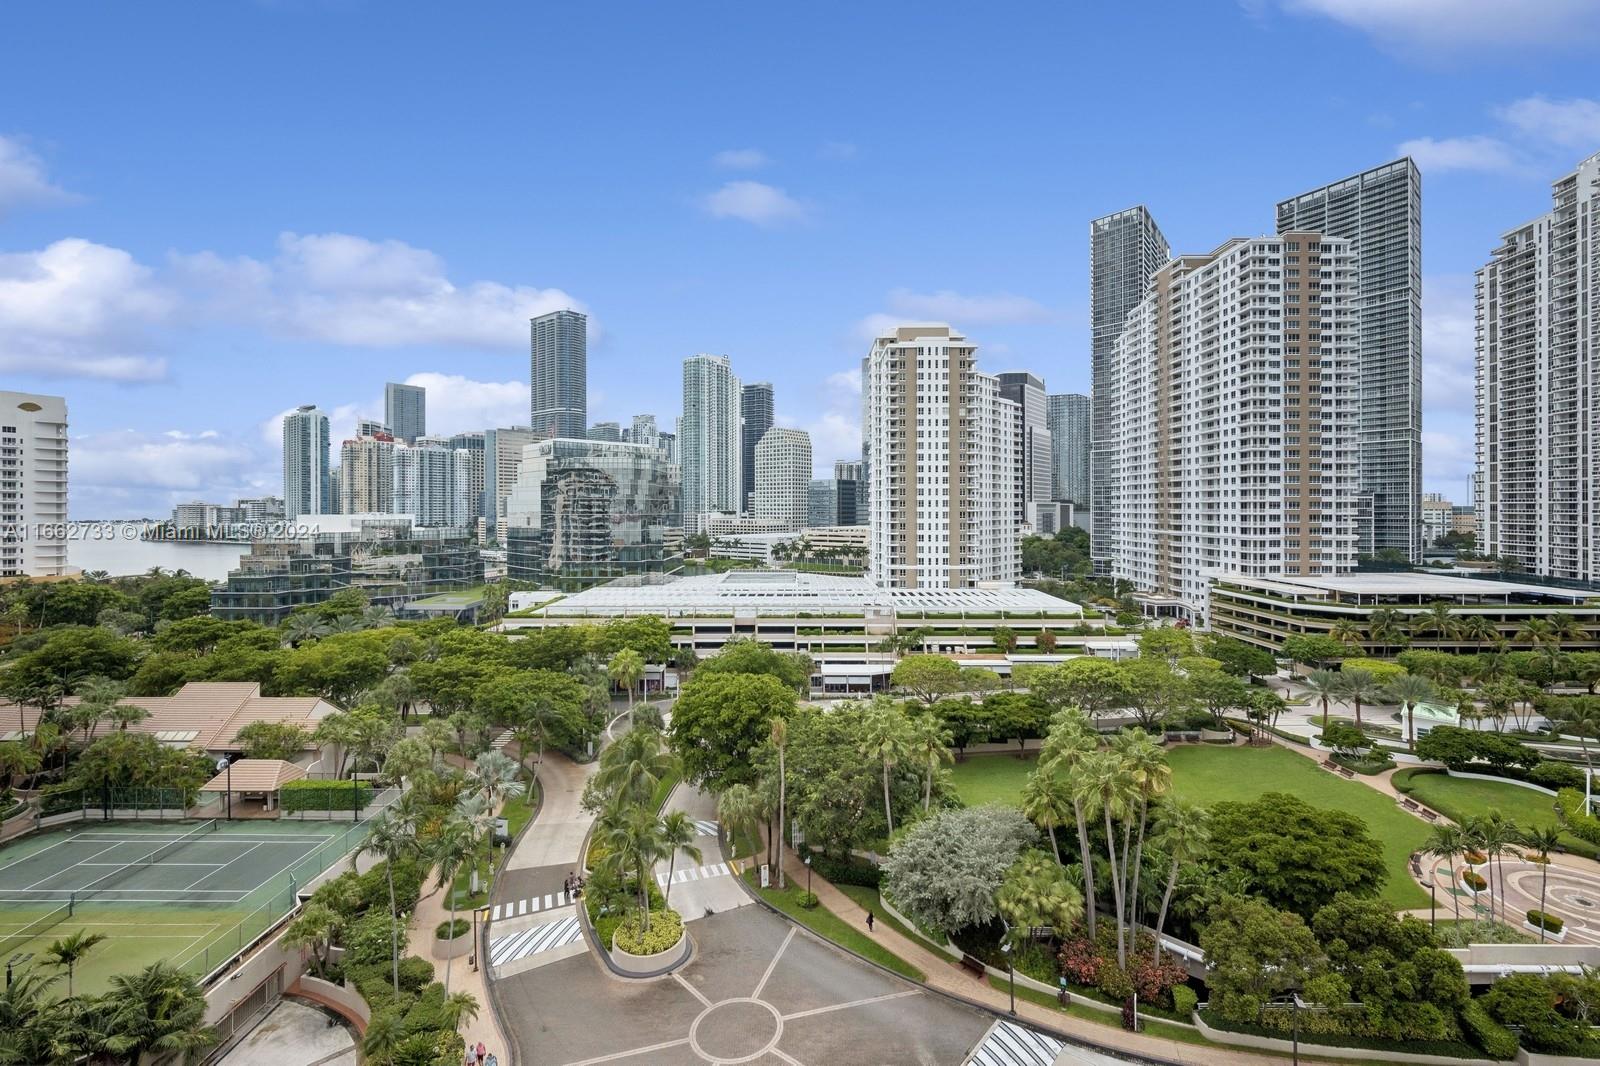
431,910
947,976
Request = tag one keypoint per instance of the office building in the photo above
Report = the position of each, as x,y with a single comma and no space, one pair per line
941,440
558,375
668,443
1464,519
643,430
431,483
475,464
822,502
1125,251
1538,366
610,431
306,465
851,476
1035,469
709,442
1436,517
1380,212
583,512
335,492
1232,395
405,411
371,427
502,455
1069,418
262,509
366,474
782,463
33,485
755,408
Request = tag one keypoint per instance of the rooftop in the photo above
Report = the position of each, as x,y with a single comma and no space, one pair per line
777,592
1427,586
202,714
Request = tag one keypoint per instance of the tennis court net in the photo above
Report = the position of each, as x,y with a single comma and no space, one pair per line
149,858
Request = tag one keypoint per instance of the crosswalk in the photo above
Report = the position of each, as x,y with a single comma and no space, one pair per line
544,937
705,828
691,873
1007,1044
531,905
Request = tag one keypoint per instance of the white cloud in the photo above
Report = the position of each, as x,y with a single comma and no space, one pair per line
1568,123
80,309
754,202
953,307
180,464
1414,27
460,405
1460,153
1448,344
23,179
741,159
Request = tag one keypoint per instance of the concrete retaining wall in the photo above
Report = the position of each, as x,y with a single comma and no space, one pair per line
1332,1051
630,965
947,947
342,999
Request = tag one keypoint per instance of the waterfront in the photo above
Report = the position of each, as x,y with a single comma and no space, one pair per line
120,556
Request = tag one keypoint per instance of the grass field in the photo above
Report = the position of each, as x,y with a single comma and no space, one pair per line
830,926
1458,798
1209,774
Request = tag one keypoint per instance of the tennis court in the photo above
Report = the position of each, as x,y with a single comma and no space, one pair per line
193,894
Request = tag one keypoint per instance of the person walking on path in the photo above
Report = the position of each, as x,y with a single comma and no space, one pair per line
869,921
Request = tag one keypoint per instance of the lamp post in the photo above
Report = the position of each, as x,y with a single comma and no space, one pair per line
21,956
1011,973
808,875
225,766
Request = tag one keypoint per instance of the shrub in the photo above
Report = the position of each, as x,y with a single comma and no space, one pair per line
1556,775
1584,826
1475,858
448,930
1528,1003
415,973
1496,1040
666,929
845,871
807,900
1550,923
1184,1000
408,878
306,795
1474,880
368,939
1114,981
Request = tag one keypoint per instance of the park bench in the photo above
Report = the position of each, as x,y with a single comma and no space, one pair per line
1410,804
1329,764
1429,815
974,966
1345,771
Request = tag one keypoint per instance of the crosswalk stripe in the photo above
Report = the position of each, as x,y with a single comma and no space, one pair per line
532,941
494,915
522,907
690,873
1007,1044
705,828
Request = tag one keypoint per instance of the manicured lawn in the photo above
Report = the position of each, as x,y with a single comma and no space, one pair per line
1458,798
1208,774
830,926
869,900
981,779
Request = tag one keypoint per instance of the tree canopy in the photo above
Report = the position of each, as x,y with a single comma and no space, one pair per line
1294,855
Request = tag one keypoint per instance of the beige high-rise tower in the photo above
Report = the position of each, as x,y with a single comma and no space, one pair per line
33,485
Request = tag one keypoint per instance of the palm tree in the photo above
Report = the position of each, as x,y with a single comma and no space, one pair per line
393,835
67,952
780,742
1387,627
1047,800
1581,719
1325,685
1542,839
677,834
1437,618
930,742
1152,777
1069,745
376,617
1477,628
472,810
1108,785
158,1011
738,807
632,767
1359,686
632,837
1036,893
302,627
1346,632
1449,842
384,1034
1408,690
459,1007
498,777
345,623
453,848
1183,831
315,928
1568,630
883,740
626,668
126,714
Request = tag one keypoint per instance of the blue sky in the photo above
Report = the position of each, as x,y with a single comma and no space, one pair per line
213,212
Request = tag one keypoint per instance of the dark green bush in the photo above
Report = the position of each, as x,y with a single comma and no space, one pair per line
1556,775
368,940
306,795
415,973
408,879
845,871
1496,1040
1184,1000
807,900
1549,922
448,930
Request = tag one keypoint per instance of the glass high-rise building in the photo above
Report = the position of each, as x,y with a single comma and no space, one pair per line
755,408
611,431
306,486
502,455
405,410
1125,251
558,375
1070,436
1380,212
710,447
1032,449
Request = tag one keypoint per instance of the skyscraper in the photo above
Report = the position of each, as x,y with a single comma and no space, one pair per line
558,375
1034,460
306,489
643,430
33,485
610,431
405,410
943,495
1125,250
502,454
1538,361
1237,446
476,465
1069,418
1380,212
755,407
366,474
431,483
709,444
782,462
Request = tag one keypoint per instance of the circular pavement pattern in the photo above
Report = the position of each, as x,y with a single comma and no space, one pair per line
736,1030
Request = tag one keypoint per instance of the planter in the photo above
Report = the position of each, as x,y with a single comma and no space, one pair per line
452,949
1214,735
1559,936
631,965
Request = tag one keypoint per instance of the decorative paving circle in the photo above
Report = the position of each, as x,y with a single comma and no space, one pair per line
736,1030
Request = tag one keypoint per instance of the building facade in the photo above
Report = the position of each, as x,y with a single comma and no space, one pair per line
610,431
584,512
1069,418
1380,212
1125,251
405,411
942,474
432,483
366,474
1538,366
1436,517
710,444
755,410
1232,396
475,464
33,485
782,462
306,487
558,375
502,455
1034,449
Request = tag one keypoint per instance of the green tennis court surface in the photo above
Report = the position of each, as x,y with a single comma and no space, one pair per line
193,894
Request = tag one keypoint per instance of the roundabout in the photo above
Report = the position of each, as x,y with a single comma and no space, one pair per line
735,1030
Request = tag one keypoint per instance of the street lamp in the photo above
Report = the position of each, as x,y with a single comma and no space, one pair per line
223,765
808,875
21,956
1011,973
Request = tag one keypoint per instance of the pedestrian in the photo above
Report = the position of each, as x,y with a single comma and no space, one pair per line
492,1060
481,1050
869,921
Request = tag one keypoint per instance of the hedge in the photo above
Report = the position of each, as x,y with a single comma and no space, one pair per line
1309,1020
1569,802
1474,880
448,930
1550,923
1496,1040
666,929
1184,1000
846,871
306,795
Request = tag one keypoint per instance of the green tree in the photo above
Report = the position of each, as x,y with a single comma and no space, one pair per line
884,741
1542,839
1004,639
1359,686
393,835
720,720
928,677
745,656
944,872
1183,833
626,668
1408,690
67,952
1255,953
929,741
451,851
1325,685
158,1011
1296,856
779,735
315,928
738,809
678,835
272,740
1314,651
1035,892
1166,642
1047,800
